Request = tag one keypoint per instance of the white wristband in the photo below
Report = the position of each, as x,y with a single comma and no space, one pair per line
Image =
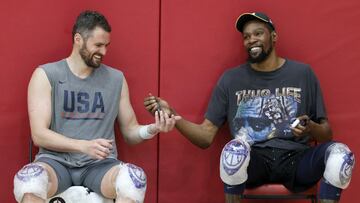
144,132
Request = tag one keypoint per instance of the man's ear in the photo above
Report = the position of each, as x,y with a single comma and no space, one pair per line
77,38
274,36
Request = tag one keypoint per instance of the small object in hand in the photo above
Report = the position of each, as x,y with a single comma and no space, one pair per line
295,123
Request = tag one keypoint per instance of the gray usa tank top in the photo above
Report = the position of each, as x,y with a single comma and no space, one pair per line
83,109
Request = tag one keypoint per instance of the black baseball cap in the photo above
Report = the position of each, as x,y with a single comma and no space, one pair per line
246,17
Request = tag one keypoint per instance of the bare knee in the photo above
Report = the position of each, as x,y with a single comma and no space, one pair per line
108,183
31,198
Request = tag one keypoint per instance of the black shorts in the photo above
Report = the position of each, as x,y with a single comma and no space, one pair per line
273,165
270,165
89,176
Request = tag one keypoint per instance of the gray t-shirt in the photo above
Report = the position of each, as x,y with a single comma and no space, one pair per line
262,105
83,109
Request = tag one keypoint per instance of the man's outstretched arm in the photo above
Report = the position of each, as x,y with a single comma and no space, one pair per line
132,131
201,135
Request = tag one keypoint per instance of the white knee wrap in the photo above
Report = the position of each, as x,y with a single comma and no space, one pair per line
234,161
339,162
131,182
32,178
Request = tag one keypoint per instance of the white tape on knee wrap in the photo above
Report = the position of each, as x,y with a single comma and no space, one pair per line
339,162
131,182
234,161
33,179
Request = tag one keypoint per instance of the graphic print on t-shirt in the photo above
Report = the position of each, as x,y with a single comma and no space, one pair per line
83,105
264,114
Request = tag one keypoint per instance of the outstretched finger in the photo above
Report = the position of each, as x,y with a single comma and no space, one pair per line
162,119
157,119
152,107
176,117
149,100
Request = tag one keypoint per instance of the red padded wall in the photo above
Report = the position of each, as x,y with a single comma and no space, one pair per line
199,42
37,32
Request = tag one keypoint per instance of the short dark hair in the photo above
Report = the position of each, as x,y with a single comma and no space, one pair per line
87,21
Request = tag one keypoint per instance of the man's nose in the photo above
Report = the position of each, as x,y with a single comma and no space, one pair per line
252,39
103,51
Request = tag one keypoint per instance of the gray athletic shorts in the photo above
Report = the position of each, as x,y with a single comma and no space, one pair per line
89,176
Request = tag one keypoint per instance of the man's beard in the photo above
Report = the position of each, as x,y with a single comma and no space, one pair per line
88,58
261,57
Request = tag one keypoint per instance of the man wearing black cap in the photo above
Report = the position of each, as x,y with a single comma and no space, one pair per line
274,108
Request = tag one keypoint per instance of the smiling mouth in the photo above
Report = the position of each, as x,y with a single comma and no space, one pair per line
255,51
97,57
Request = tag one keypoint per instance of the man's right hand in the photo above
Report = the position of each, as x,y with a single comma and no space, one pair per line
153,104
98,148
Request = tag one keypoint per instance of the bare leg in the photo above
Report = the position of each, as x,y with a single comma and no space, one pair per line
124,200
231,198
28,197
108,186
